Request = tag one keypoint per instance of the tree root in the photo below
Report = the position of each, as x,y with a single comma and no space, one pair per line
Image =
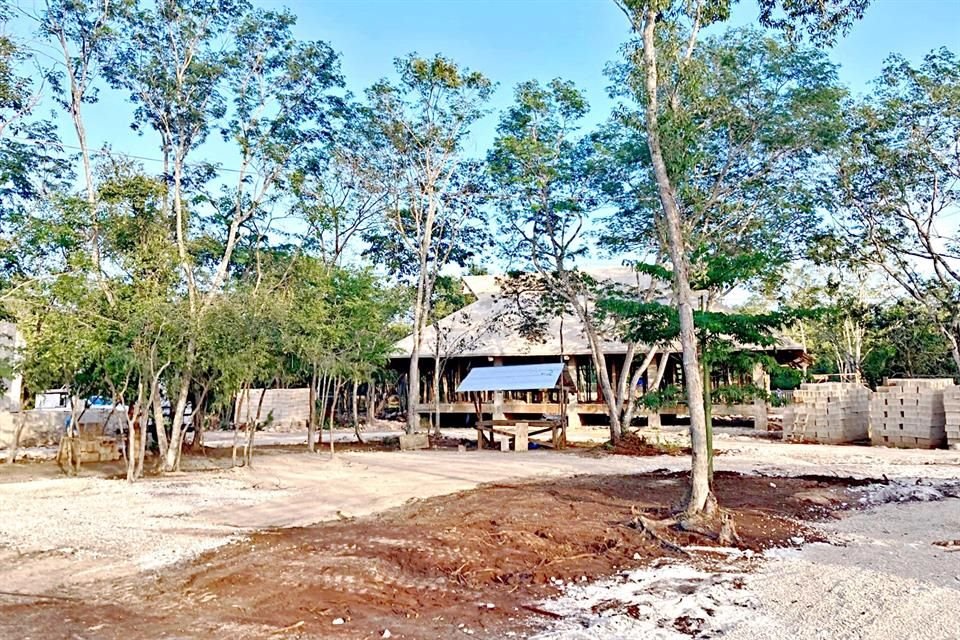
717,525
713,523
649,528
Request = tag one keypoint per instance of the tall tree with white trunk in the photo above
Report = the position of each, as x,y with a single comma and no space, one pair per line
664,56
203,66
433,217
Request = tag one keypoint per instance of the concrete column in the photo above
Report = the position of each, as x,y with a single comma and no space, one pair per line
523,439
573,415
652,370
498,413
760,377
761,420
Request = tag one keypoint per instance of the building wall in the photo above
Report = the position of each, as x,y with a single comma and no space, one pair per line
290,407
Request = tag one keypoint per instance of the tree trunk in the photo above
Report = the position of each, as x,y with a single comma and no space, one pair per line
603,375
436,391
200,416
17,432
252,431
356,412
699,496
333,412
172,461
312,419
708,415
71,436
413,387
245,394
157,404
954,339
323,406
631,402
144,412
132,419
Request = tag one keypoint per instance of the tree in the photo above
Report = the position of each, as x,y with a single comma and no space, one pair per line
722,335
362,340
668,32
898,183
30,167
451,296
907,345
838,337
863,331
338,186
433,192
83,33
218,65
542,177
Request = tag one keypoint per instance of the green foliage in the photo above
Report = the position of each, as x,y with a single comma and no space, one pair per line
421,121
785,378
668,396
30,162
745,126
541,174
898,184
738,394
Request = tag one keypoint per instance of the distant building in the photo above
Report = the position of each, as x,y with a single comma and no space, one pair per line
485,333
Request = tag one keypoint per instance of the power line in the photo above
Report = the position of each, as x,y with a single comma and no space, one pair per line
107,152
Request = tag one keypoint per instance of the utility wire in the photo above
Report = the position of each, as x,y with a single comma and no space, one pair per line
107,152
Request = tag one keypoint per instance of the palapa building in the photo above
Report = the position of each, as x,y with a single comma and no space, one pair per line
485,333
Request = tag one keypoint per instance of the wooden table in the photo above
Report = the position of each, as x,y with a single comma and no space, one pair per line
486,429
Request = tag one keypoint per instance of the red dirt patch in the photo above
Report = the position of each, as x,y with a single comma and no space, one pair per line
421,570
635,445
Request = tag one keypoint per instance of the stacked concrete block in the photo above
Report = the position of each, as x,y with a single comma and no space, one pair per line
828,412
290,408
951,410
98,448
909,412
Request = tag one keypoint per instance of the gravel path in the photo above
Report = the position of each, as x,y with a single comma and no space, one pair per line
885,580
880,578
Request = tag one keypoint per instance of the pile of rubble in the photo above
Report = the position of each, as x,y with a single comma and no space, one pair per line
909,413
828,412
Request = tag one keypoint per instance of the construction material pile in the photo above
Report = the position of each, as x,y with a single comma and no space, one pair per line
951,410
828,412
909,413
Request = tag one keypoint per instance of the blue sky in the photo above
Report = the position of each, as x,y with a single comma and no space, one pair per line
516,40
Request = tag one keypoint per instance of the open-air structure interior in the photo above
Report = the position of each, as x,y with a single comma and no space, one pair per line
487,333
550,377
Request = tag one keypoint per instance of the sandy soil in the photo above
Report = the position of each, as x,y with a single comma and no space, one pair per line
473,563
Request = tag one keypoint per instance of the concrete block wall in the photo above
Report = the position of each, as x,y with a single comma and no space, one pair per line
951,410
290,407
44,427
828,412
910,413
40,428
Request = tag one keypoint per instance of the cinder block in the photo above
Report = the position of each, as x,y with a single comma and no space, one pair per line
413,441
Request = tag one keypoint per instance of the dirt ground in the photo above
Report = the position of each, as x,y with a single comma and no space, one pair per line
475,560
421,543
